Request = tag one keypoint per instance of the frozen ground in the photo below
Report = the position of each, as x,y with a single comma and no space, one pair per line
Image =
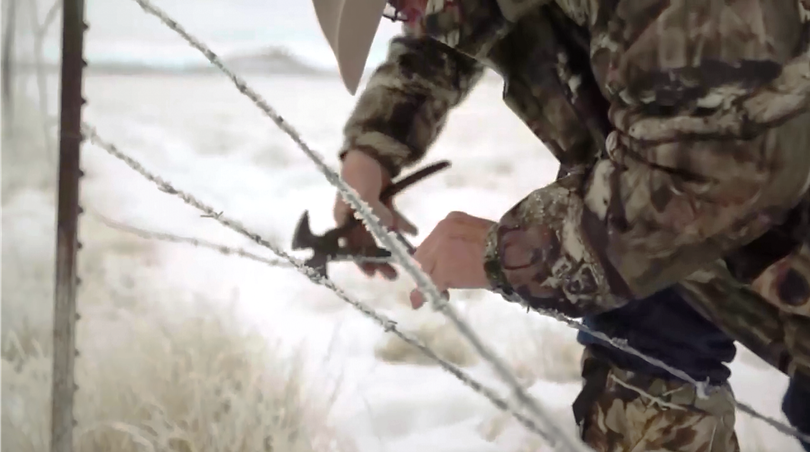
205,138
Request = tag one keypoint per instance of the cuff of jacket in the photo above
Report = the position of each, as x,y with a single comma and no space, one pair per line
493,266
391,153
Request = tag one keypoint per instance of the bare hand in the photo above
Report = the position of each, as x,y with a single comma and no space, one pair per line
453,254
369,179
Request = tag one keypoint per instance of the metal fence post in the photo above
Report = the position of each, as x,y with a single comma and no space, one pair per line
68,210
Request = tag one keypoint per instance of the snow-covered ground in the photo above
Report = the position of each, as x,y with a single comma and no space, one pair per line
203,136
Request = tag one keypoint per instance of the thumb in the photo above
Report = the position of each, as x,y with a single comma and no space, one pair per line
341,211
404,225
383,213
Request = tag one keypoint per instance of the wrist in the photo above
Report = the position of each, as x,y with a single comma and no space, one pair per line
493,267
389,169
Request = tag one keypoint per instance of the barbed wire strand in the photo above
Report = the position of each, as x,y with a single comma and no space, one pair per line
773,422
388,325
364,211
701,387
423,282
222,249
239,252
389,240
197,243
228,251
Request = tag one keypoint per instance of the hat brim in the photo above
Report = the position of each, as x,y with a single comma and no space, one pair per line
349,27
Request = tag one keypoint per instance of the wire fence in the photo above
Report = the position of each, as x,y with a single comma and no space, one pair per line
537,420
556,433
387,324
552,432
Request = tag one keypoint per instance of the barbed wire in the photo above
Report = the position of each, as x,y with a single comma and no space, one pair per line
389,240
228,251
425,285
372,222
388,325
222,249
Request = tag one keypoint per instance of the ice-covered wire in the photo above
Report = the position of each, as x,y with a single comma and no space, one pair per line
388,325
398,250
228,251
197,243
423,282
222,249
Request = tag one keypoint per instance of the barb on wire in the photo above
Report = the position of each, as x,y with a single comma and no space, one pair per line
222,249
386,323
424,283
398,250
702,387
199,243
645,394
229,251
150,235
779,426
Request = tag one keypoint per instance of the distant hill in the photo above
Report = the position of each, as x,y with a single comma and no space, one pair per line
266,61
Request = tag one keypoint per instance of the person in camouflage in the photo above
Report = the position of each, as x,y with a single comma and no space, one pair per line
681,130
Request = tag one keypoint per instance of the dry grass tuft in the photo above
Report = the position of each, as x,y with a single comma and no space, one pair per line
437,334
156,372
545,351
193,384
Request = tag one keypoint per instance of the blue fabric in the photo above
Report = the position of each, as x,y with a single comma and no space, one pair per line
665,327
796,406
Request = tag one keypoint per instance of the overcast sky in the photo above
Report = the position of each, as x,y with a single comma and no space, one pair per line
121,31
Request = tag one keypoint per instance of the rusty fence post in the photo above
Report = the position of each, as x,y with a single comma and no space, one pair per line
67,216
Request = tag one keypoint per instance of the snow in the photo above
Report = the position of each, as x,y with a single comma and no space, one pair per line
201,135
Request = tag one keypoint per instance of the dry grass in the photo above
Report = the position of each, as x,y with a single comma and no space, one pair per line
196,384
545,351
157,372
436,333
537,348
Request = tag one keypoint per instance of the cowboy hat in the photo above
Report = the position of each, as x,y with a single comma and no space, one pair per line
349,26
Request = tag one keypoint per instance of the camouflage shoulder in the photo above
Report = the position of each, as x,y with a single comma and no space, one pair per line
405,103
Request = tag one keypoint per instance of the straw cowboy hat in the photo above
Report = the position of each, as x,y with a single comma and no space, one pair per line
349,26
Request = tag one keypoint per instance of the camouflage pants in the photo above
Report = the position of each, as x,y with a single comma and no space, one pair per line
612,417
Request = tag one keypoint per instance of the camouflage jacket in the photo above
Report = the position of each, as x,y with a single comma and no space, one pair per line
684,133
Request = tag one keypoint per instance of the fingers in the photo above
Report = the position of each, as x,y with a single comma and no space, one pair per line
386,270
418,300
383,213
425,256
358,239
452,255
368,269
402,224
342,211
366,176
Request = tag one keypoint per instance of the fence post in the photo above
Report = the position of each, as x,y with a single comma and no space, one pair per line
67,243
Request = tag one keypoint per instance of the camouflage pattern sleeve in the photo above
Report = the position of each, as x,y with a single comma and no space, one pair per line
405,104
709,150
760,294
764,324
